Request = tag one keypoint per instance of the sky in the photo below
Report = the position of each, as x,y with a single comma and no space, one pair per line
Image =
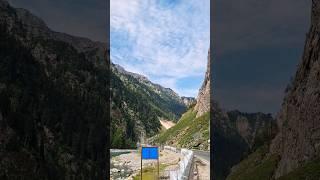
257,44
84,18
257,47
165,40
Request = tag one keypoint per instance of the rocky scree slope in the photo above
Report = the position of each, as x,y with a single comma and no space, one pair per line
53,101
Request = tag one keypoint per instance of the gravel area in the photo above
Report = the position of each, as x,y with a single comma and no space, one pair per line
127,165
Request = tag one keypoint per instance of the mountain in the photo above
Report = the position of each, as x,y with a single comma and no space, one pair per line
298,139
188,101
53,101
203,100
235,135
137,107
254,128
192,129
294,153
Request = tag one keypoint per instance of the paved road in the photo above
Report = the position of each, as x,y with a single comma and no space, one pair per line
204,155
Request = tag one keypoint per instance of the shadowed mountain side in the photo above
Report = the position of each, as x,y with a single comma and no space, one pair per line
53,101
294,152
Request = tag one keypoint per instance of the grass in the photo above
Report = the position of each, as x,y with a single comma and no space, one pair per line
150,173
310,171
184,132
181,125
198,125
257,166
260,166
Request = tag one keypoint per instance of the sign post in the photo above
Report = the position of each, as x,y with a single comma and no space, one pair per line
158,166
141,164
150,153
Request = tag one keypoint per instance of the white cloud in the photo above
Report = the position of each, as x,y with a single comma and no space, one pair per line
168,42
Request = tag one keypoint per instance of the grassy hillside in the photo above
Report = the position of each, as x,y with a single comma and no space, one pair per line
257,166
310,171
189,132
261,166
137,106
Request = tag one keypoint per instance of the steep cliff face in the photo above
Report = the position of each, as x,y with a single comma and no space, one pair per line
298,140
254,128
192,129
53,101
203,99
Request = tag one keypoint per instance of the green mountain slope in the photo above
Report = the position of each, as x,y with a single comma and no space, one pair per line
261,165
190,132
310,171
193,129
137,106
257,166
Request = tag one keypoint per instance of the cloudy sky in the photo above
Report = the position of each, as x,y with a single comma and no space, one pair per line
165,40
258,45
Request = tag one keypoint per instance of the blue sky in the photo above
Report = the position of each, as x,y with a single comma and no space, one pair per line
165,40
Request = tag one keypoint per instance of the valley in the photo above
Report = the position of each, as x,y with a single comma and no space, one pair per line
188,128
291,148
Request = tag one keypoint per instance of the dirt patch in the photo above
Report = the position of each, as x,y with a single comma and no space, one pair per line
167,124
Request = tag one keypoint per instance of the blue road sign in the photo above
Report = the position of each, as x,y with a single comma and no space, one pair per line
149,153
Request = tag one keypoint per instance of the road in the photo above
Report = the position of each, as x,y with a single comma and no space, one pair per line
200,169
203,155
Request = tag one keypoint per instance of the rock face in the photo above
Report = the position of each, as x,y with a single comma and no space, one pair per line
203,99
298,140
188,101
254,128
53,101
235,134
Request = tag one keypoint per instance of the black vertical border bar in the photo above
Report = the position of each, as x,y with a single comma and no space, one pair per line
108,120
212,162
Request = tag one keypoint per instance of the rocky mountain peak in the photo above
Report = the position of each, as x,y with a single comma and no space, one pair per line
188,100
298,140
203,99
21,20
31,20
315,16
